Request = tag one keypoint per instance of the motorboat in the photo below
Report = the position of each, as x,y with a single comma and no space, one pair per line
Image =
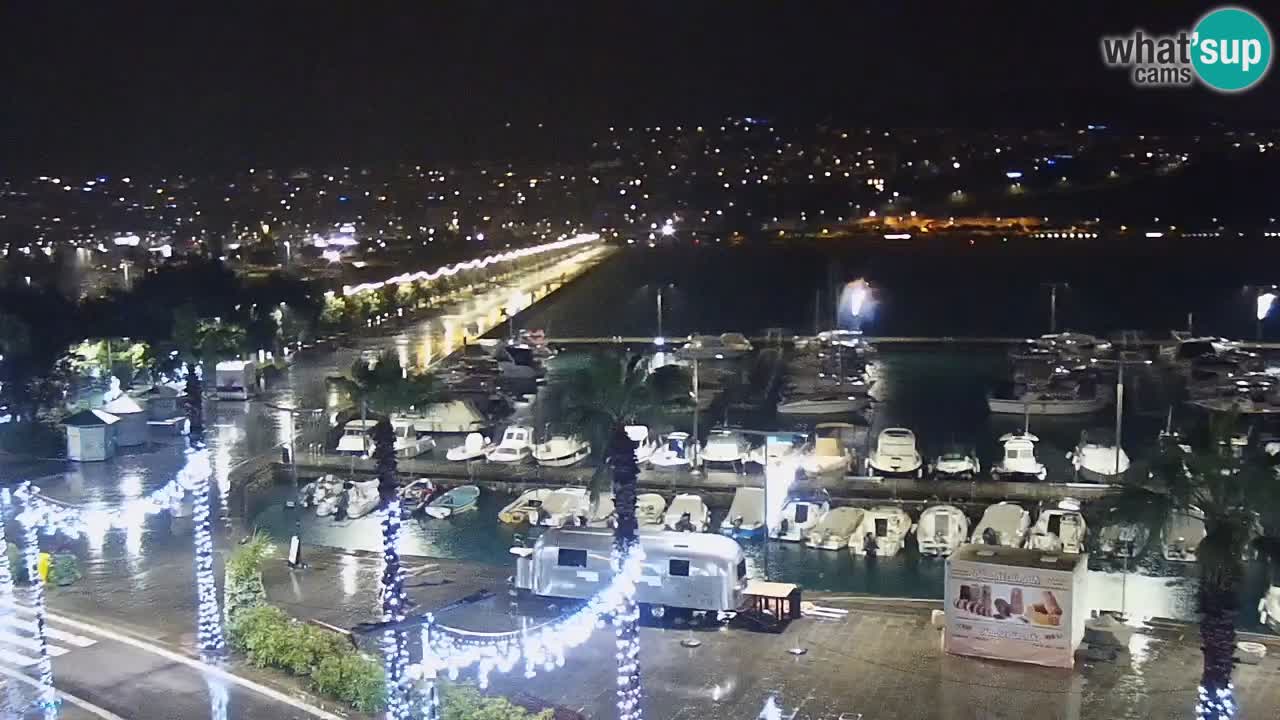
896,453
714,347
725,447
355,438
602,512
516,445
687,513
1051,400
645,446
1018,458
1183,533
524,507
455,502
1269,609
1123,540
362,498
942,529
474,447
782,448
835,528
415,496
408,441
518,363
882,532
823,403
451,416
956,463
673,453
745,518
1059,529
566,506
833,452
323,494
736,343
651,509
800,514
1004,523
1097,459
561,451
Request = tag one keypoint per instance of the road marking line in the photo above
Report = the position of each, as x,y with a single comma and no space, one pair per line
30,643
16,659
82,704
52,632
198,665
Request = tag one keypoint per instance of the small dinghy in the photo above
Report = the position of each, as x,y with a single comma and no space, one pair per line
746,514
362,498
835,528
942,529
650,509
474,447
687,513
415,496
524,508
456,501
566,506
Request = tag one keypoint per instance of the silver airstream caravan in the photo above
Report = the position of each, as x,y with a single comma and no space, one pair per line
688,571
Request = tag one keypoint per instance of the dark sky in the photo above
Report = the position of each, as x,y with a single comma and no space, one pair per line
111,87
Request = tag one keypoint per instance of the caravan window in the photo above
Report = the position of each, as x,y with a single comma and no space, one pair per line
882,527
572,558
678,568
1011,454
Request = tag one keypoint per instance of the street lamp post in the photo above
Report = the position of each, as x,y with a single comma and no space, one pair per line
694,468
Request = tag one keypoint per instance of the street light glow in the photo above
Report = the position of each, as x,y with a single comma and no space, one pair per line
1264,304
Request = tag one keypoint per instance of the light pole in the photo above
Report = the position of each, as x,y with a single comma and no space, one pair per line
660,312
694,468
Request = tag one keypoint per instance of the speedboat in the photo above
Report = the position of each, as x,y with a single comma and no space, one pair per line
651,509
777,449
1123,540
566,506
1098,460
823,403
524,508
832,449
602,512
673,454
362,498
455,502
415,496
956,463
645,446
1019,457
725,446
800,514
687,513
835,528
355,438
1183,533
328,505
516,445
1059,529
1004,523
474,447
942,529
324,495
883,531
1269,609
561,451
409,443
746,514
896,453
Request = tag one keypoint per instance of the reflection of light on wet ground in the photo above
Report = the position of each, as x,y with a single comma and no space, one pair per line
350,575
130,485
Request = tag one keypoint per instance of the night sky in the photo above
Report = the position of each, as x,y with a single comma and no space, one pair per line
120,86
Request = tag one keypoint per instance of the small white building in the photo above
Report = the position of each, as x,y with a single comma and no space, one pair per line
91,435
162,402
236,379
131,431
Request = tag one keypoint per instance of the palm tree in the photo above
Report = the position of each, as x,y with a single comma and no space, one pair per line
1231,490
198,340
601,399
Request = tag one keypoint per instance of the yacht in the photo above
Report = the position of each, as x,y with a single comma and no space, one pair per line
687,513
896,453
835,401
1018,458
956,463
882,532
835,528
725,447
1183,533
942,529
362,498
746,514
1097,459
561,451
452,416
1051,400
566,506
516,445
1059,529
673,453
455,502
1004,523
800,514
474,447
645,446
524,507
832,449
651,509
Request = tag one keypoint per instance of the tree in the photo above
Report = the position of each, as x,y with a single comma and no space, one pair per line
198,340
1231,490
601,399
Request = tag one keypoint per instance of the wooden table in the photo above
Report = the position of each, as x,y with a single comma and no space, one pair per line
780,601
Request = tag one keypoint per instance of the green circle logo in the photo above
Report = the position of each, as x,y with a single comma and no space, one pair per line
1231,49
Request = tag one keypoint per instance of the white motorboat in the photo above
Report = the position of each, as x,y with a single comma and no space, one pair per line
355,438
823,403
516,445
1059,529
725,447
896,453
745,518
835,528
453,416
474,447
1004,523
602,512
1123,540
956,463
801,513
409,442
1269,609
645,446
455,502
882,532
566,506
687,513
1019,457
324,495
1098,460
736,342
1050,401
651,509
832,449
942,529
523,508
1183,533
362,498
673,453
777,449
415,496
561,451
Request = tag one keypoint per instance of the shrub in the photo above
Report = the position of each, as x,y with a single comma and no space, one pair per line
17,568
464,703
64,569
353,678
244,588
